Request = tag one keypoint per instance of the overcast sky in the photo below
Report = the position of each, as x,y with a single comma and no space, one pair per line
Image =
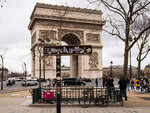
14,34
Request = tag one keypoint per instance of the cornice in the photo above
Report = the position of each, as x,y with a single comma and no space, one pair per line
63,19
84,10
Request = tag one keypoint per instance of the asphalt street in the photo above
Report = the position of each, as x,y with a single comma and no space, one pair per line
18,87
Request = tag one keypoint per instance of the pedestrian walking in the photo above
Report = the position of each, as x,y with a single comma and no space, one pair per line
110,87
128,83
96,82
104,81
49,84
132,85
123,85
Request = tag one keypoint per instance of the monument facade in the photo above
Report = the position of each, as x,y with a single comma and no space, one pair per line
75,26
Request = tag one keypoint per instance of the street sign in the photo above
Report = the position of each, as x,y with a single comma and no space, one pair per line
68,50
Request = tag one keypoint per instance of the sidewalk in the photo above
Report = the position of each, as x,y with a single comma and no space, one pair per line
135,99
19,102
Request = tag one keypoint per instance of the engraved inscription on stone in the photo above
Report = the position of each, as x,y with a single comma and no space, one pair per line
93,60
33,38
94,38
50,34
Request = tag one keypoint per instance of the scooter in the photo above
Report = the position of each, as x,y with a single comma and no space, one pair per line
8,83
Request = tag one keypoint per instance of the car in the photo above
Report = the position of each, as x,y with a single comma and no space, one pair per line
30,82
72,81
86,79
42,80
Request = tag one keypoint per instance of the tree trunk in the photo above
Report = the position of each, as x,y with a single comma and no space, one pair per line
44,67
125,63
127,32
139,68
2,73
40,71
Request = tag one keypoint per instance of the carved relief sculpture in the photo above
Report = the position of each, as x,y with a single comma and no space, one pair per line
48,60
94,38
50,34
33,38
93,60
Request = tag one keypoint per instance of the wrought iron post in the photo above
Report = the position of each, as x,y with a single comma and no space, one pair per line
58,75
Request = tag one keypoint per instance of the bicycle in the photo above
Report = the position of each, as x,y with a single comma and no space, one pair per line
114,95
89,96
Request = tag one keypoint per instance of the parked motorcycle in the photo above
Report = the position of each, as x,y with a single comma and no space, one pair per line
8,83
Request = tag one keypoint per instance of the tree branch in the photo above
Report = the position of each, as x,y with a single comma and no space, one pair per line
139,36
114,34
113,9
142,7
124,12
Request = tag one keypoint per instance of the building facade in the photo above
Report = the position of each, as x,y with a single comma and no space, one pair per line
117,71
147,70
75,26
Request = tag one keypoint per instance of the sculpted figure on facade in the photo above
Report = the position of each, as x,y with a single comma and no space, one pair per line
33,38
48,61
50,34
94,38
93,60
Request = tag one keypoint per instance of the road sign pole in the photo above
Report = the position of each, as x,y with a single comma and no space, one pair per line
58,75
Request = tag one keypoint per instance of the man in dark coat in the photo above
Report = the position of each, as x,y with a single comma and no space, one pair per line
96,82
123,85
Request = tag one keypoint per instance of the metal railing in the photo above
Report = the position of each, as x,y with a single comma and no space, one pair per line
84,96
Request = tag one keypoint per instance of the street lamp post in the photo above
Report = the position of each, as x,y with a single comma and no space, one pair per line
111,74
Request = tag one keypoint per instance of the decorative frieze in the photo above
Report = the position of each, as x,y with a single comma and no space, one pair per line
93,38
50,34
93,60
53,23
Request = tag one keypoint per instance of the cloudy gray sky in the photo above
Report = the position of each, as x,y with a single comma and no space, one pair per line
15,36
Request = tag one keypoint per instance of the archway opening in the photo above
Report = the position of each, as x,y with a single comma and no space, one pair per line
71,61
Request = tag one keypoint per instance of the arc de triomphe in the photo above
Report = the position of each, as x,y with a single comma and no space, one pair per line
75,26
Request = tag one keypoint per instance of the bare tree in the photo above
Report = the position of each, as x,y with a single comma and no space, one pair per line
2,65
124,14
144,48
39,49
143,42
25,73
1,2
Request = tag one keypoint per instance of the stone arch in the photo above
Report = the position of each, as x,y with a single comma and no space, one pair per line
72,39
76,33
78,27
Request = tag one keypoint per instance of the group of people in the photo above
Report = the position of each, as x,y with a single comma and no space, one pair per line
123,85
139,83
